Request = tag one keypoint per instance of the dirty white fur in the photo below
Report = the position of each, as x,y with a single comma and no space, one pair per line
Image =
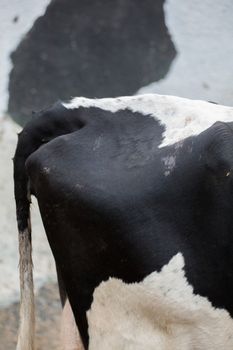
161,313
27,312
169,163
180,116
70,338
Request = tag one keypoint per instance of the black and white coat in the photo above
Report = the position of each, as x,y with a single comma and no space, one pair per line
123,185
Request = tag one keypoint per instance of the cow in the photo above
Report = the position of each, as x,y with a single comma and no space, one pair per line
123,185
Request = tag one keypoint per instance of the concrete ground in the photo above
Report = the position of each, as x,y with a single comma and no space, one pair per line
48,311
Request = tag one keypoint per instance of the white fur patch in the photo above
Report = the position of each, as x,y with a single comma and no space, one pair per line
161,313
170,163
180,116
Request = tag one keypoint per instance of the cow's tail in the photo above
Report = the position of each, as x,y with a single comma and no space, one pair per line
26,333
44,127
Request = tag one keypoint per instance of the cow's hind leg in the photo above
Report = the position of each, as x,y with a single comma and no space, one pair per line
70,338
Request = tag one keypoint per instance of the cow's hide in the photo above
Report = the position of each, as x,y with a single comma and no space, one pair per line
161,312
